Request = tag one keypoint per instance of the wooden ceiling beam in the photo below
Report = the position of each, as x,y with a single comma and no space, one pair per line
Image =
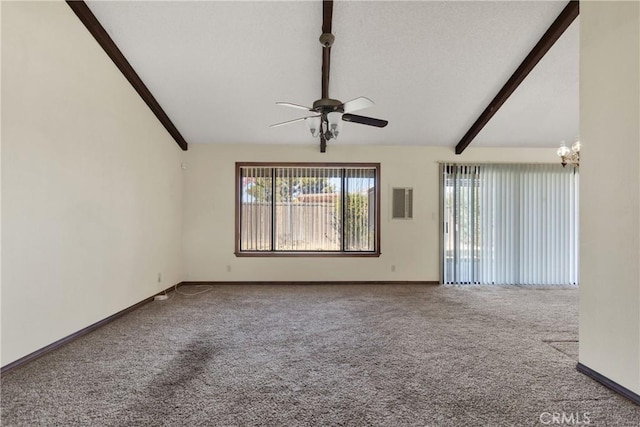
98,32
327,17
562,22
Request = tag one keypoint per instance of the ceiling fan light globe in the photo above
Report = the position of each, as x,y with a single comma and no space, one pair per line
314,125
334,120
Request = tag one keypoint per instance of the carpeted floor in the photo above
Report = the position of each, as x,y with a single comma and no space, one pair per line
321,355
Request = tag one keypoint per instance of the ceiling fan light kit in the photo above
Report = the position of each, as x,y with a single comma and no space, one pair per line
331,112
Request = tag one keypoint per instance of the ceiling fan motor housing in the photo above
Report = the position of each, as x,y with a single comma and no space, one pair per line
327,105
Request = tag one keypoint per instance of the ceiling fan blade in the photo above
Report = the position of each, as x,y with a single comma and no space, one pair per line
291,121
289,104
357,104
369,121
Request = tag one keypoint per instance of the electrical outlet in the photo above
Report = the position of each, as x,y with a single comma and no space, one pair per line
159,277
228,269
393,268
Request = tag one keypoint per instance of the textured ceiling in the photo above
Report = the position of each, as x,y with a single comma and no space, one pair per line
217,68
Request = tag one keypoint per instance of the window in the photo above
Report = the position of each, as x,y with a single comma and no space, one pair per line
510,224
307,209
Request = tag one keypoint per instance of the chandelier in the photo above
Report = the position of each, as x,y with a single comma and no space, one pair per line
571,155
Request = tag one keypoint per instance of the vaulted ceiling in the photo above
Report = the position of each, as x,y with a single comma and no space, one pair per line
217,68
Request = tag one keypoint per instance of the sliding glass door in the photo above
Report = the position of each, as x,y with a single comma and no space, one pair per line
510,224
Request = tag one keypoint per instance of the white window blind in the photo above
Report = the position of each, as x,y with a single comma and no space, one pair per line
307,208
510,224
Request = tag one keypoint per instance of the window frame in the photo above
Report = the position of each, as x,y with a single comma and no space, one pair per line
274,253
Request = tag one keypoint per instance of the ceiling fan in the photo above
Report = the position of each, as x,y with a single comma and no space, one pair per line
325,123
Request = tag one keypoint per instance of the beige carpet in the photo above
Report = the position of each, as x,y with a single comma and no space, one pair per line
387,355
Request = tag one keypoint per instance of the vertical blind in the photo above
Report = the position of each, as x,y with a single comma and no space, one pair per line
304,209
510,224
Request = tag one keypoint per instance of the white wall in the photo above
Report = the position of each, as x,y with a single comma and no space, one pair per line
412,246
610,190
91,183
